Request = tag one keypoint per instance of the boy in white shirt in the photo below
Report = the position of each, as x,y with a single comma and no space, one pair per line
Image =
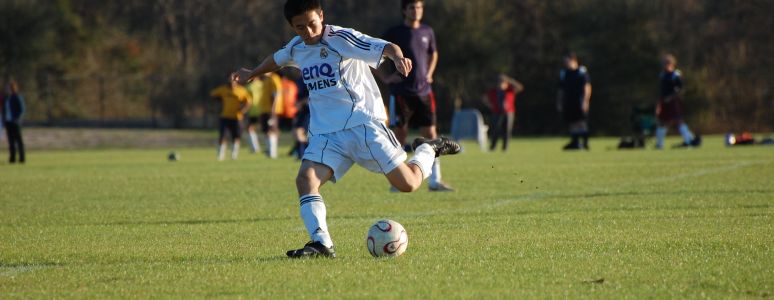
347,114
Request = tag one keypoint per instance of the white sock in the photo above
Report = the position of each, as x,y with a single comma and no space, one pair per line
660,135
254,142
435,175
235,150
686,133
221,151
424,156
271,140
313,214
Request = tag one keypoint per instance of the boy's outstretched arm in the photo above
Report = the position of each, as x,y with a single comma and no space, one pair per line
402,65
244,75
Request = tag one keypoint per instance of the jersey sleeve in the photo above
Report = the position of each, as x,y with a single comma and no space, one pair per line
284,56
352,44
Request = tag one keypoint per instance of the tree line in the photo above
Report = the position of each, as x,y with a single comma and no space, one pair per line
157,60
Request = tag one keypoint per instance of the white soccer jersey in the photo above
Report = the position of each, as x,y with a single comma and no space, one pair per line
342,91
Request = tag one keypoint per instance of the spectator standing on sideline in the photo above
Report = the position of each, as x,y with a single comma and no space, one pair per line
13,111
502,102
573,101
412,101
235,101
669,109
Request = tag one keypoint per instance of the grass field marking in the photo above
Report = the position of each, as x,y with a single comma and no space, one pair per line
13,270
703,172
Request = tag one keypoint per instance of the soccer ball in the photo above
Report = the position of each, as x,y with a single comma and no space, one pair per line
386,238
173,156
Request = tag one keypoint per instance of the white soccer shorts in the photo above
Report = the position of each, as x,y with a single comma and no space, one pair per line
371,145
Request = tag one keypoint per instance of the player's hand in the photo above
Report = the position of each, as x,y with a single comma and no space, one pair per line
242,76
429,78
404,66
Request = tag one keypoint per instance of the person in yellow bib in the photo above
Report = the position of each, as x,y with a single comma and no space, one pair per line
268,107
255,88
235,102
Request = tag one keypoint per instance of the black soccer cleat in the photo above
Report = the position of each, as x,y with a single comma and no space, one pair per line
441,146
312,249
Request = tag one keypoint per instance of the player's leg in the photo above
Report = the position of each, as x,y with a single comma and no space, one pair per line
583,129
273,135
495,130
221,140
251,130
661,132
311,176
425,118
509,120
20,143
407,177
236,136
11,136
323,161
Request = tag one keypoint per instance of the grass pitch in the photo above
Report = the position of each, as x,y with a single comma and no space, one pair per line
531,223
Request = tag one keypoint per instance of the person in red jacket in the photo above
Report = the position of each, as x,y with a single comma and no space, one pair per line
502,101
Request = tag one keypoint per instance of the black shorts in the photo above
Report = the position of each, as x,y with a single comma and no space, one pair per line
413,110
266,122
573,112
252,120
232,126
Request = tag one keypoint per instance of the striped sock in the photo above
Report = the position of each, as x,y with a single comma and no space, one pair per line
313,214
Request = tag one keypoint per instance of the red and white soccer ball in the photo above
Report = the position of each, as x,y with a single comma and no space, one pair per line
387,238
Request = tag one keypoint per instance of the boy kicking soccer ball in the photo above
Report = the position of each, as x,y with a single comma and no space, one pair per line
347,114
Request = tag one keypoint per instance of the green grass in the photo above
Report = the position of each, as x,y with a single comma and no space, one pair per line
532,223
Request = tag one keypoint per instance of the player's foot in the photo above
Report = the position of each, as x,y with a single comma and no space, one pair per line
394,189
312,249
441,146
440,187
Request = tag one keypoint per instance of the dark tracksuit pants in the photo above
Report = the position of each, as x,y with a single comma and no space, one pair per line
15,142
502,126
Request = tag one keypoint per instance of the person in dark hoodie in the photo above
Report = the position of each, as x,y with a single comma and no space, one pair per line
12,113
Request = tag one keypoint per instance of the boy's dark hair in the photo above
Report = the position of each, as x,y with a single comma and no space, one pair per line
297,7
571,55
404,3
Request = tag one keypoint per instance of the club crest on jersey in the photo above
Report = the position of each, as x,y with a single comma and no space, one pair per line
323,53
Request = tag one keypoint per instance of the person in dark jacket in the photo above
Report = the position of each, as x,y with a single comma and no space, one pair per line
12,113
